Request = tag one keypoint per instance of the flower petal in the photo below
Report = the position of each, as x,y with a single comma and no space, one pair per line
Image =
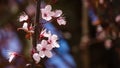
41,54
117,18
43,31
48,54
11,58
25,26
48,8
51,13
43,43
54,37
23,17
47,34
48,18
57,13
49,47
36,57
55,44
39,47
61,21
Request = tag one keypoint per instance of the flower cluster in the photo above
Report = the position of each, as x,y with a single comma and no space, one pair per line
48,41
27,27
48,14
44,48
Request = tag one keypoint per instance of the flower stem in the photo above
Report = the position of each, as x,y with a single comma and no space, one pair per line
37,28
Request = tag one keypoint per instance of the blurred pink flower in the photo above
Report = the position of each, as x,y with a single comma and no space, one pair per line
44,33
36,57
52,40
108,43
47,13
57,13
61,21
44,49
101,1
23,17
117,19
99,28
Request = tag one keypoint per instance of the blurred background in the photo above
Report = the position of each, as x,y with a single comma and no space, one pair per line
90,39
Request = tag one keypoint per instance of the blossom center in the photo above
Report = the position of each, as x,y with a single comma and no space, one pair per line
45,14
44,49
41,36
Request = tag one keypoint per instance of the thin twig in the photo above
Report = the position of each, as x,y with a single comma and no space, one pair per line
37,28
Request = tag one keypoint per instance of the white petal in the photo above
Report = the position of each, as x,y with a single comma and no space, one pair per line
43,31
41,54
117,19
11,58
55,44
58,13
23,18
47,34
49,47
54,37
38,47
61,21
43,11
36,57
25,26
43,43
48,54
48,8
51,13
48,18
20,19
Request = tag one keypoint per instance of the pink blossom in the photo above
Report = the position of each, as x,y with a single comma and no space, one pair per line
101,1
25,28
99,28
117,19
61,21
47,13
29,30
36,57
108,43
52,40
23,17
44,33
44,49
57,13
